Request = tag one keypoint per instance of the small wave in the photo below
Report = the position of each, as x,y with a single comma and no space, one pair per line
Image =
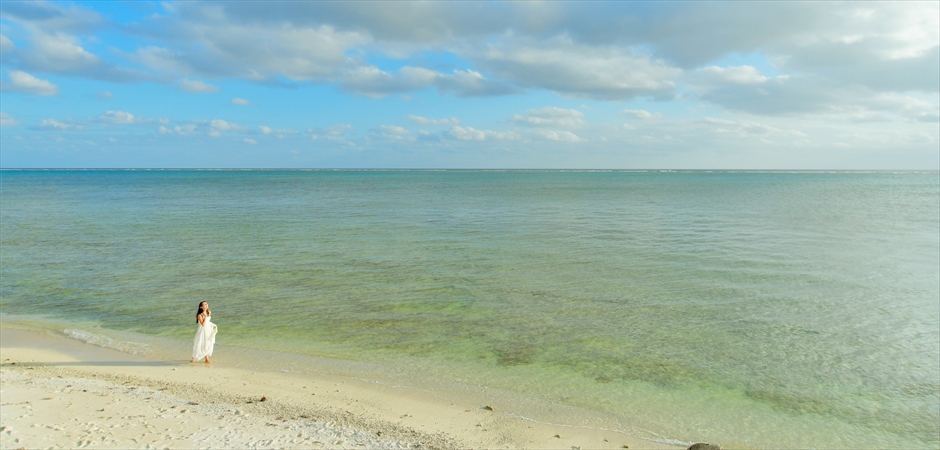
134,348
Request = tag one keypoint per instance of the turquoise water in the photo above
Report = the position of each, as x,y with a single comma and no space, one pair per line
749,309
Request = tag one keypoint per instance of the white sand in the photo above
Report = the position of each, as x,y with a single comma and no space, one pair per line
58,393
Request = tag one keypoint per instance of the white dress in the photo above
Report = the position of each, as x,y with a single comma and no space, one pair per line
204,341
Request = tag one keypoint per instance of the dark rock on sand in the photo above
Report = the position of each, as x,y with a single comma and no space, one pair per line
703,446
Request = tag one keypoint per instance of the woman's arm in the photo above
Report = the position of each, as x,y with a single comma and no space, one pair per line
201,318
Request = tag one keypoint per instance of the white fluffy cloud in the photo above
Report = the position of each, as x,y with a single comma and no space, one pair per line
241,102
197,87
392,132
640,114
182,130
472,134
218,126
279,132
733,75
577,70
559,136
23,82
374,82
250,47
117,117
434,122
52,124
334,133
7,121
53,51
6,45
550,116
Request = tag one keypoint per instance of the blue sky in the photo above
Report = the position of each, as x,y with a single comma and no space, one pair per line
608,85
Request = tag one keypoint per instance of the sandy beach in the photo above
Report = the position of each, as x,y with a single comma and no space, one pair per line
61,393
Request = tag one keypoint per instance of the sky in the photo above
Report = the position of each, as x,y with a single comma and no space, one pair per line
528,85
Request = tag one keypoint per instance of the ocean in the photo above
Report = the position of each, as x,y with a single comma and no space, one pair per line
750,309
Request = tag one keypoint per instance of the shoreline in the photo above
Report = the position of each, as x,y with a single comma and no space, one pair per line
59,392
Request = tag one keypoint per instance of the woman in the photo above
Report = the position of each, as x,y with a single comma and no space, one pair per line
205,334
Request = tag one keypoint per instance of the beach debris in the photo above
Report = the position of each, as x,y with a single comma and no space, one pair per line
557,436
47,398
703,446
575,447
489,408
264,398
193,403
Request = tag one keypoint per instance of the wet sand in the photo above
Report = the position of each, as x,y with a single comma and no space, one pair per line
60,393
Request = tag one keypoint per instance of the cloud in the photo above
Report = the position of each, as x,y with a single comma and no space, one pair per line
558,136
217,126
550,117
56,52
250,141
23,82
640,114
117,118
733,75
333,133
206,41
241,102
394,133
182,130
747,128
104,95
470,83
576,70
213,128
434,122
472,134
808,96
52,124
7,121
197,87
6,45
51,16
278,132
374,82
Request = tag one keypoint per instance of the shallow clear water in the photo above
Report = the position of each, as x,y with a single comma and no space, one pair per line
750,309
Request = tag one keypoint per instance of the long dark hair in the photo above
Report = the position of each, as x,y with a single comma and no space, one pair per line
199,311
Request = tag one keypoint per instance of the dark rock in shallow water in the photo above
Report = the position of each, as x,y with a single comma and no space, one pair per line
703,446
